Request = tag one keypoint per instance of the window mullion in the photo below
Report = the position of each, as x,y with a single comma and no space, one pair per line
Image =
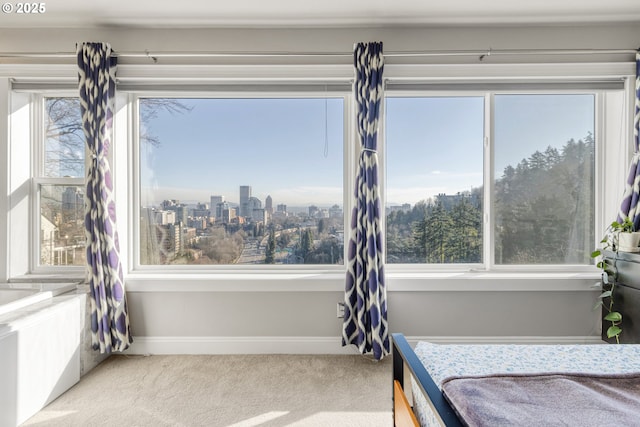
488,257
37,171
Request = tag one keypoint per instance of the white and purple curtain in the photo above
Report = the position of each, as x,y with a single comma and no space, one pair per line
109,316
630,207
365,317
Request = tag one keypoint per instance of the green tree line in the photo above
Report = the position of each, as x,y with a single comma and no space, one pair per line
543,207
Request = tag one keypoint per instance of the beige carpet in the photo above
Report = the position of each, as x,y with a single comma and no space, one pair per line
229,391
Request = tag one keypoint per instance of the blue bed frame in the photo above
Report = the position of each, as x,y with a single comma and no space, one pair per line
403,355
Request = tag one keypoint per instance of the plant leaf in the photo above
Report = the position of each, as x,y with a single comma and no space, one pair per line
598,305
605,294
613,331
596,253
614,316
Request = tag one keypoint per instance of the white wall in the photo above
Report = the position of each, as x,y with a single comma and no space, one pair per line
213,317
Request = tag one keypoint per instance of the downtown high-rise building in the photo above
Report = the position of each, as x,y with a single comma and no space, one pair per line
215,211
268,205
245,196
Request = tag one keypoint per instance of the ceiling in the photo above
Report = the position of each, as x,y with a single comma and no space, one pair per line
319,13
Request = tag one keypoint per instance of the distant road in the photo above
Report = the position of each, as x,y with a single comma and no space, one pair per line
252,253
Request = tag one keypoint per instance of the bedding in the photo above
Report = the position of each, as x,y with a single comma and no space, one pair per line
526,400
445,361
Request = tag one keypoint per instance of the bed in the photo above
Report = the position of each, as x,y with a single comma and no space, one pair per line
453,385
479,384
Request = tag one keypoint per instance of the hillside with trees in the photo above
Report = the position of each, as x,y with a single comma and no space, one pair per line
543,209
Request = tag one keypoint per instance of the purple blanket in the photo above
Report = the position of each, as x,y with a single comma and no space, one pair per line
546,399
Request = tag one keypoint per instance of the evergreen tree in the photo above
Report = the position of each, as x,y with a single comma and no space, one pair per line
466,232
540,207
437,227
270,250
306,244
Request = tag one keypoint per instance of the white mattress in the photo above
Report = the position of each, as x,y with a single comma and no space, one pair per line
446,360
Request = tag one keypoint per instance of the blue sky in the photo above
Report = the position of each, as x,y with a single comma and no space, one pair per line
290,149
279,147
435,145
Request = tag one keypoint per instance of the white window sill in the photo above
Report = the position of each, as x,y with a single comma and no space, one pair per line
465,281
333,281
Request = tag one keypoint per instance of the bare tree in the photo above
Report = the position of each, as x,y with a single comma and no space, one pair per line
64,136
149,109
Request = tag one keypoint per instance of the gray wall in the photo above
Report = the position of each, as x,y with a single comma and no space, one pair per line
313,314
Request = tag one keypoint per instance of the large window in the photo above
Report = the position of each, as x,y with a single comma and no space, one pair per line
59,183
544,179
487,179
434,179
540,151
241,181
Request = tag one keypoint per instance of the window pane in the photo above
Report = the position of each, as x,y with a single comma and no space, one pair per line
64,138
241,181
544,179
62,236
434,155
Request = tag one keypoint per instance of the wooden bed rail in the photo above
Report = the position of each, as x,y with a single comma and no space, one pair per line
403,415
403,355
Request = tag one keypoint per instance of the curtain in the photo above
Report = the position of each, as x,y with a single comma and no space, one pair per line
365,317
109,316
629,207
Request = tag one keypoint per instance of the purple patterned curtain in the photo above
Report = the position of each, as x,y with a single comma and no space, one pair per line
629,207
365,317
109,316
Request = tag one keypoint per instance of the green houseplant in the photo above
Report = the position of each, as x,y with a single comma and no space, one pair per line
608,282
625,235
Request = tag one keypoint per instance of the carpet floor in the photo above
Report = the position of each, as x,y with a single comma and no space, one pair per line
227,391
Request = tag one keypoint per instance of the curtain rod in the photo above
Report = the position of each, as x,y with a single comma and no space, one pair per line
479,53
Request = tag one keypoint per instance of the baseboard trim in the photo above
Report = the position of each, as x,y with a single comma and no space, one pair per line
311,345
239,345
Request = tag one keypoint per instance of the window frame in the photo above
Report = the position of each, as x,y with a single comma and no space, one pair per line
264,92
428,267
488,264
42,78
38,180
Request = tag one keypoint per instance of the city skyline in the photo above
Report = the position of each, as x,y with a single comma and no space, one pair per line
236,141
292,149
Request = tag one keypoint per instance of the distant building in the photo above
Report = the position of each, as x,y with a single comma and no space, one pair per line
259,215
254,203
313,211
268,205
450,200
281,208
199,223
229,215
72,199
335,211
166,204
48,232
245,196
202,210
164,217
215,201
189,236
181,212
220,208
